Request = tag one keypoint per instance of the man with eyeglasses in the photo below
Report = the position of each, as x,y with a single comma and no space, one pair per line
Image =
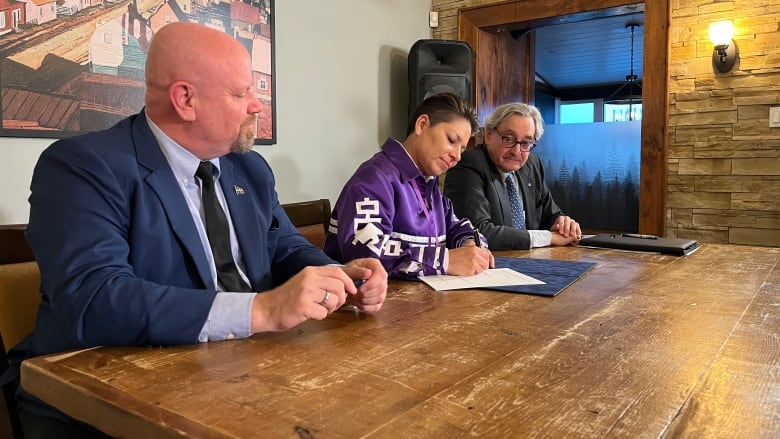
500,186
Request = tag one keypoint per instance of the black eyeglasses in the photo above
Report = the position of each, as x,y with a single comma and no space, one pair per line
509,142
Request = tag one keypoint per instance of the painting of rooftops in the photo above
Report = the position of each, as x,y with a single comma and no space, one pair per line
73,66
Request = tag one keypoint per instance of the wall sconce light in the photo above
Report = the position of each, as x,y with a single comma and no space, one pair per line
725,53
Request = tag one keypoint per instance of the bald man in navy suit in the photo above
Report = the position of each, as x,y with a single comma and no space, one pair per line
117,225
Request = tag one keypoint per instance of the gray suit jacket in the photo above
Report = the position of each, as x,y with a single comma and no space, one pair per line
477,191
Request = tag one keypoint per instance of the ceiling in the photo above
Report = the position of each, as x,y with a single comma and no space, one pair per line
589,53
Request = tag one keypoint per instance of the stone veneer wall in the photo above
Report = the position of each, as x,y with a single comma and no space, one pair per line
723,162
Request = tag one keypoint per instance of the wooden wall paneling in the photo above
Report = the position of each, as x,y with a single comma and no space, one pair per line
507,76
492,15
655,119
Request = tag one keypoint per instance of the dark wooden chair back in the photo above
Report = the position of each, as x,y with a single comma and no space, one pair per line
19,299
311,218
13,244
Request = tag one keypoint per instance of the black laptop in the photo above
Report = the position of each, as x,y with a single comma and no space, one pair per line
642,243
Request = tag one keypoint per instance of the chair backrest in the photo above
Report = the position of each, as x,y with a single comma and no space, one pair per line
19,286
19,298
311,218
13,244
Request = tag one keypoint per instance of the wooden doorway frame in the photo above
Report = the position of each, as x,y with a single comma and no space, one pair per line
496,81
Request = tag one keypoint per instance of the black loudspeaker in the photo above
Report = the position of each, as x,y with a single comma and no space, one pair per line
438,66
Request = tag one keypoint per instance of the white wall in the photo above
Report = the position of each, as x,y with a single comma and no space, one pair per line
341,90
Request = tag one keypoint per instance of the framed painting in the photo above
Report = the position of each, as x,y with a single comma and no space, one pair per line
74,66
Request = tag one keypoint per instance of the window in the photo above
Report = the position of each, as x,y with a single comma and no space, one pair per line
591,111
577,112
622,112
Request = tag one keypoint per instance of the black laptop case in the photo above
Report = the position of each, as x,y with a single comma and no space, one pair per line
644,243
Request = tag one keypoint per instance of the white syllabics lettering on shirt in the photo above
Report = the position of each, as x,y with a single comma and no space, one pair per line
393,247
365,226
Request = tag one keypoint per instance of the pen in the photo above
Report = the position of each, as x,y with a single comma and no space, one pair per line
354,308
639,235
477,241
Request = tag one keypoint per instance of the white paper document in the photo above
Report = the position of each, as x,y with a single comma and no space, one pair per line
495,277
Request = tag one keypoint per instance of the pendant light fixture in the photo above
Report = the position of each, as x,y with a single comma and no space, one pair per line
630,92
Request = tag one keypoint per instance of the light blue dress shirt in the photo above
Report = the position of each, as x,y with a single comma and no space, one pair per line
231,312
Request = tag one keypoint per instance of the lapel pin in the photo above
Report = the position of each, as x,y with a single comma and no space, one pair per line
239,190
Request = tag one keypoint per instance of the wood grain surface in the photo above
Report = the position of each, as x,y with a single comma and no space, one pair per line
644,345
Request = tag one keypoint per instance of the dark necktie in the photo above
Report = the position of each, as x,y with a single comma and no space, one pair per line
515,203
218,232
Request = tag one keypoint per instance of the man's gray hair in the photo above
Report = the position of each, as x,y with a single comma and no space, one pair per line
506,110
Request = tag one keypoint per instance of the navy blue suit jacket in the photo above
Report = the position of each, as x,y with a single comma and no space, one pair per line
120,258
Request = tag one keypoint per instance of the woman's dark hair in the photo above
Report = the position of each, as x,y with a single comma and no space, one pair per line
444,107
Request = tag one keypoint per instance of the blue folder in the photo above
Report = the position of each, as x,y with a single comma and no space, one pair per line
557,275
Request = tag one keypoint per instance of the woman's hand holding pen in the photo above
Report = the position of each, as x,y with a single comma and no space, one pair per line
469,259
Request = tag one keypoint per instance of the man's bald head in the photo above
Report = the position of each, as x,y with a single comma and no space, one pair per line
199,89
185,52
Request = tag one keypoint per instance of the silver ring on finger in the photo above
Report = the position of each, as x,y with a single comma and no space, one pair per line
325,298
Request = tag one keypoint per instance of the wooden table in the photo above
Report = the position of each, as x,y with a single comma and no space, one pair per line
644,345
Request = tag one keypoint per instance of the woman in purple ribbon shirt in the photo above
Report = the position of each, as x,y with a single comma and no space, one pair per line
392,208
